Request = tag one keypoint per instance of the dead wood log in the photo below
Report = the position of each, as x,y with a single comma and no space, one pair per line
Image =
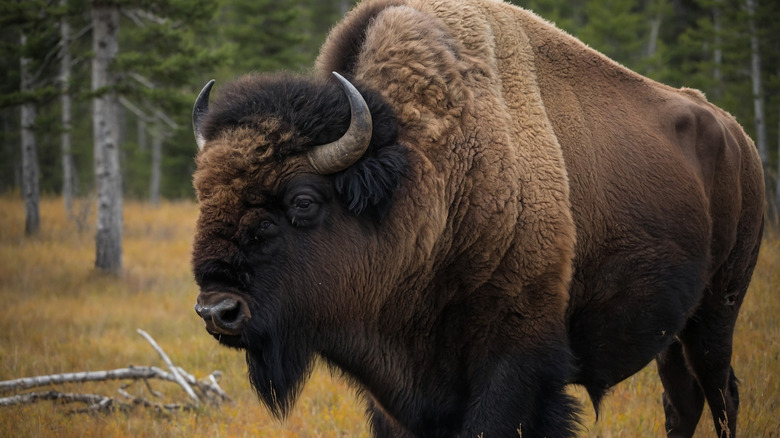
129,373
208,387
177,376
32,397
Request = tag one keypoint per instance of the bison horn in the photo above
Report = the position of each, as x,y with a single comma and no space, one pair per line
199,111
342,153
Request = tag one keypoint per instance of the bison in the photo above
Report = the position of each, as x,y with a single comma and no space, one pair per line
474,212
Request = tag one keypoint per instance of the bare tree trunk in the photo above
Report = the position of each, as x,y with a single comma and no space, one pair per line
655,29
30,171
105,120
774,202
141,126
717,54
344,6
758,92
154,183
68,170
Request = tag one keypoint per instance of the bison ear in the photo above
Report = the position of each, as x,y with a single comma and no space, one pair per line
369,186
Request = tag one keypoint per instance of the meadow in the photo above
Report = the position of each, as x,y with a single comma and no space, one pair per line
58,315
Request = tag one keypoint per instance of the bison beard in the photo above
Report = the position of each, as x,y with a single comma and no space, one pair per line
276,371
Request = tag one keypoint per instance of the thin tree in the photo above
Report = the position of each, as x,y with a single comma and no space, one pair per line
105,119
755,76
156,171
30,172
68,171
717,54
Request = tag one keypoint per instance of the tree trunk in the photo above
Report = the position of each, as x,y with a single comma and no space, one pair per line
717,54
154,183
105,120
30,172
774,208
758,92
141,126
344,6
655,29
68,170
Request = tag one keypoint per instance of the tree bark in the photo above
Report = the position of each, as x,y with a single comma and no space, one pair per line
777,174
98,401
344,6
655,29
207,389
142,372
30,170
758,92
105,120
68,170
156,173
141,127
717,53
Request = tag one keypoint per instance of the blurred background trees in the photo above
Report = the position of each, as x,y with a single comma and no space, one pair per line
729,49
167,49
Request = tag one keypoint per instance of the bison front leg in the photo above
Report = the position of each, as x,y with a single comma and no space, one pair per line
382,425
524,395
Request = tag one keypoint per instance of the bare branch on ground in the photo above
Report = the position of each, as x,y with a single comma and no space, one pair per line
206,389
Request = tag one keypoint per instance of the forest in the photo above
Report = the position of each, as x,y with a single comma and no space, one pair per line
163,51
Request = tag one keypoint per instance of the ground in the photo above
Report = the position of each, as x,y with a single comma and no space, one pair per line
58,315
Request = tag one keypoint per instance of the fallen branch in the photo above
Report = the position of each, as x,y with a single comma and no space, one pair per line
128,373
169,407
179,379
32,397
208,388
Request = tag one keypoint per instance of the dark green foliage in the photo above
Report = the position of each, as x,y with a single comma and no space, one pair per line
266,35
170,48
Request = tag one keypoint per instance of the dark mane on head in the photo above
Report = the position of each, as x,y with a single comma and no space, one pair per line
310,112
313,111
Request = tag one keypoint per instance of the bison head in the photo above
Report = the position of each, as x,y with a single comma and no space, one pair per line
294,177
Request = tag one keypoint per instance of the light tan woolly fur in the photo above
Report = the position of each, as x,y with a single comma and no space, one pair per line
482,72
536,162
465,80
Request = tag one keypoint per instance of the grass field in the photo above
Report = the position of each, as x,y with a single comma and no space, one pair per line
57,315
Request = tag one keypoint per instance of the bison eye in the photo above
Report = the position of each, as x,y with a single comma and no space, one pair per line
303,209
265,225
303,203
266,229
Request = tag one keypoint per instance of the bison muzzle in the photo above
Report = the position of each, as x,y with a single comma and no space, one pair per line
224,314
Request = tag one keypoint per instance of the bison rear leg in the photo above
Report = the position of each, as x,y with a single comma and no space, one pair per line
707,339
683,398
709,356
699,368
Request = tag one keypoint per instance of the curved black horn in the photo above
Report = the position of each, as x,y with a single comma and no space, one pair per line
342,153
199,110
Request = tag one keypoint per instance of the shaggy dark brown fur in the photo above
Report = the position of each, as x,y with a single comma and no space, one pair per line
529,215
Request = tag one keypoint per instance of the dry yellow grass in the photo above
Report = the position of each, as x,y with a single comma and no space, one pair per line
58,315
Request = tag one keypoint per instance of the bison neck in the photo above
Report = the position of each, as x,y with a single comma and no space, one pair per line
436,374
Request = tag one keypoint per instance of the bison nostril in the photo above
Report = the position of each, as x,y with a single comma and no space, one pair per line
225,317
229,313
